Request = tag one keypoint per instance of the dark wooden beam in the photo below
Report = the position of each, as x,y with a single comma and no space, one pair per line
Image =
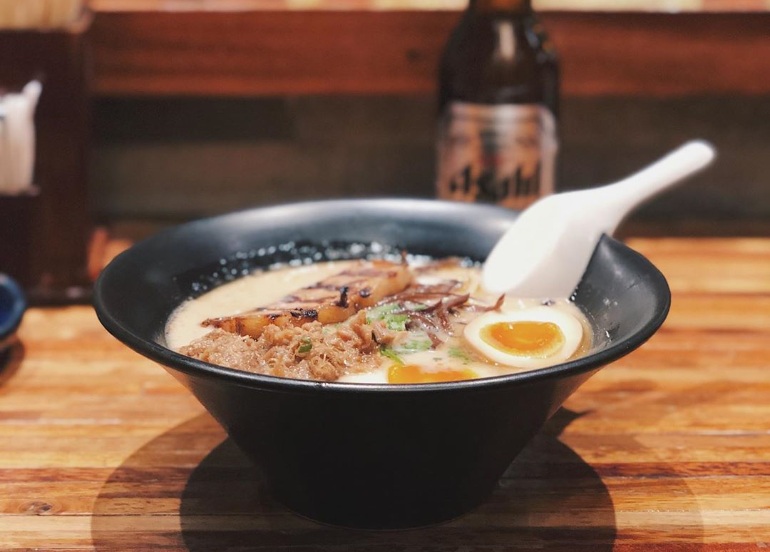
280,52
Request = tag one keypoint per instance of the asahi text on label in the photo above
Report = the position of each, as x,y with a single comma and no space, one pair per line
502,154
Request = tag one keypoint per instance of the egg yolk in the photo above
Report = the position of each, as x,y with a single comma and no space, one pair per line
412,373
525,338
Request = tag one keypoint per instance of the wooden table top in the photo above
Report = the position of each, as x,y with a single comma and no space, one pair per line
667,449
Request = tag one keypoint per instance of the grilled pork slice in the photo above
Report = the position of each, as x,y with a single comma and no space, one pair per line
329,301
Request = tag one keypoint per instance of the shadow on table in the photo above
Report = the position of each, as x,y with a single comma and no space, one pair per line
11,356
192,489
548,497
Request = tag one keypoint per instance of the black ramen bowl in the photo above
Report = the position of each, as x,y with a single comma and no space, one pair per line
369,455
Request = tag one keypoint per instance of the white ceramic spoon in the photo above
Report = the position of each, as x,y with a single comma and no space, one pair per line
547,249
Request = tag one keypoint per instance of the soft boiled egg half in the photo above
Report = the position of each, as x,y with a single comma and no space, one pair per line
528,338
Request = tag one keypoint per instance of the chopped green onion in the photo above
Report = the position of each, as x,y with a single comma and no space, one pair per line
391,354
305,346
378,313
417,341
396,322
385,313
460,354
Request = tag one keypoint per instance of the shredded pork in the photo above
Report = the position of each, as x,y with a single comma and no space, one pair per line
311,351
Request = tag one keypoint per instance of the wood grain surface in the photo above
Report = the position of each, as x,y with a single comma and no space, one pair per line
366,51
421,5
667,449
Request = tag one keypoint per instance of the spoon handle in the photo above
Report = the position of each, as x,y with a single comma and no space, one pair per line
626,194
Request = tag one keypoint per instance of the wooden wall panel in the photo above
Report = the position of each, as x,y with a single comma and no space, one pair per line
396,52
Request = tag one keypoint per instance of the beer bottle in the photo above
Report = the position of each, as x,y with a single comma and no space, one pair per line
498,96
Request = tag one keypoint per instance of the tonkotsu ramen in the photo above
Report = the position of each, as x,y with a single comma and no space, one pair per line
376,322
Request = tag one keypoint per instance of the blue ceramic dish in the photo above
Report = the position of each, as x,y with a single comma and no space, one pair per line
369,455
12,306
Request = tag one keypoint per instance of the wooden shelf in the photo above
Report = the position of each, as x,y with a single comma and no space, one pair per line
237,51
419,5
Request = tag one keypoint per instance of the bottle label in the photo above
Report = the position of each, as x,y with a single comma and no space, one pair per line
502,154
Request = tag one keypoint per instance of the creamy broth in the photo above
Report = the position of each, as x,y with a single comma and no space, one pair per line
416,355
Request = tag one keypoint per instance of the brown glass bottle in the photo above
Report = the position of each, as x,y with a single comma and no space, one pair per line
498,101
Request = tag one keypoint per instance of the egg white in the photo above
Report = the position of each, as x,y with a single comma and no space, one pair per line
380,375
568,324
